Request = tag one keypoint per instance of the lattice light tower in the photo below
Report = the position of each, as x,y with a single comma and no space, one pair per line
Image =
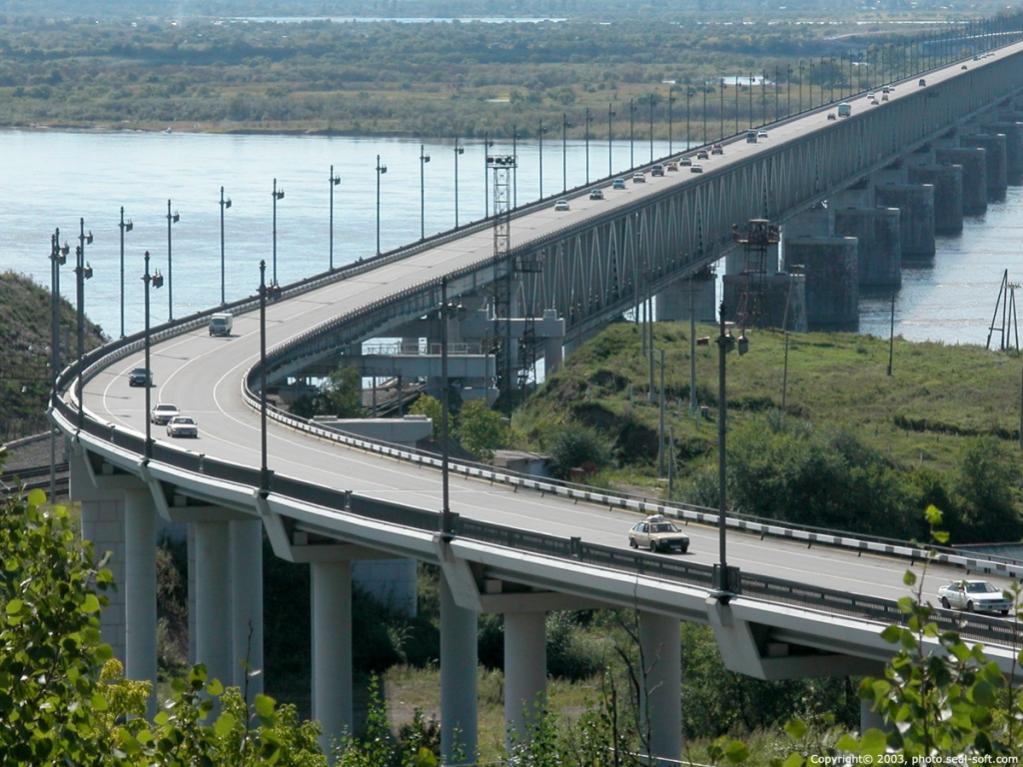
502,167
756,238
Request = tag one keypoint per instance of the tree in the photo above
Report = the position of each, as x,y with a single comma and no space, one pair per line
984,494
480,429
432,408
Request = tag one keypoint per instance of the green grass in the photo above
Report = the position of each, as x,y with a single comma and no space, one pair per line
938,397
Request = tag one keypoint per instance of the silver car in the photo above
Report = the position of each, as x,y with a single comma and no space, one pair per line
561,205
182,426
974,596
163,413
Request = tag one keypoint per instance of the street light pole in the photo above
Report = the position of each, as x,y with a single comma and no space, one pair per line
610,164
891,335
124,227
564,152
225,203
539,133
334,180
487,143
724,345
83,272
277,194
171,219
264,471
445,511
515,170
651,100
423,159
632,133
459,149
381,170
589,119
58,257
154,280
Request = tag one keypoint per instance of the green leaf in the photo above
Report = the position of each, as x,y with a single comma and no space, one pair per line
874,741
909,578
891,634
794,760
796,728
264,706
847,743
99,702
983,693
90,604
215,687
14,606
224,725
933,515
736,751
940,536
36,497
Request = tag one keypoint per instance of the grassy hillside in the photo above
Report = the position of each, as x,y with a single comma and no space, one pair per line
942,404
25,352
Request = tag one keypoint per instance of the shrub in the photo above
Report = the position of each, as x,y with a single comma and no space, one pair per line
574,445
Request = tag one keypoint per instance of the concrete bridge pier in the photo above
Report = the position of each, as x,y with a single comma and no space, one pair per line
525,673
947,181
331,597
995,147
870,719
672,304
660,702
553,346
781,298
916,221
102,515
879,248
1012,129
140,587
830,266
458,660
246,542
213,603
974,164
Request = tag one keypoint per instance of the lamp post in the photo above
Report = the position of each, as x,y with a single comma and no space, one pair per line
459,149
539,132
447,310
58,257
752,81
154,280
278,194
564,152
651,105
671,119
725,578
610,164
800,86
83,272
423,159
225,203
333,181
891,335
586,134
515,170
171,219
124,226
632,133
689,96
487,143
264,471
381,170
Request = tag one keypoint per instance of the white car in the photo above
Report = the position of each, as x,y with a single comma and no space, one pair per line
596,194
638,178
182,426
974,596
561,205
163,412
658,533
696,169
762,134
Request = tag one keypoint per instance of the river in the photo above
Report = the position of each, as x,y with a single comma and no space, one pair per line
54,178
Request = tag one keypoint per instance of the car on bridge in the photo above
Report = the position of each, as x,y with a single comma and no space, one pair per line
672,166
596,194
657,170
686,161
717,149
140,377
696,169
562,205
702,155
658,533
922,82
974,596
182,426
163,413
618,183
762,134
638,178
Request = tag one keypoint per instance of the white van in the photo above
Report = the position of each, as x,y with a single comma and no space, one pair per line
221,324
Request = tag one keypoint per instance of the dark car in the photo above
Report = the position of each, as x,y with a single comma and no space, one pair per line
140,377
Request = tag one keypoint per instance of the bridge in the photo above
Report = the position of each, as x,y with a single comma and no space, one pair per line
809,602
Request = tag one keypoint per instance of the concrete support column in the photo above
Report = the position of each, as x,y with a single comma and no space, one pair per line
661,705
830,266
974,163
247,604
995,147
102,515
879,249
213,608
948,194
458,653
525,672
776,301
1013,131
916,222
140,586
331,587
870,719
